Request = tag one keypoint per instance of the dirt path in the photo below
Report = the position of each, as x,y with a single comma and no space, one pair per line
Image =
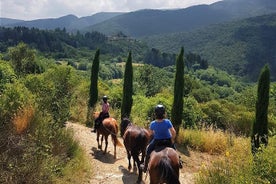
107,170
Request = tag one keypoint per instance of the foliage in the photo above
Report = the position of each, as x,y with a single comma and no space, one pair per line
192,114
23,60
93,93
151,80
240,47
237,166
7,75
143,107
34,147
127,88
260,128
60,44
177,107
227,116
14,97
156,58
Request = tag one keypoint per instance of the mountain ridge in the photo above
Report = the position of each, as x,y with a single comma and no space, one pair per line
147,22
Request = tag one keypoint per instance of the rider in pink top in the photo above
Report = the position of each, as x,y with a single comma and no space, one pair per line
104,114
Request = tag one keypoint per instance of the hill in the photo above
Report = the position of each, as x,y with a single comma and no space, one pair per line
151,22
69,22
239,47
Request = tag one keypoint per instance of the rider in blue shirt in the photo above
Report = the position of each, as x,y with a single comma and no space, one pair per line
163,132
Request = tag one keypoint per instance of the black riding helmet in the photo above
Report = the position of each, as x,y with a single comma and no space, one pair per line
159,111
105,98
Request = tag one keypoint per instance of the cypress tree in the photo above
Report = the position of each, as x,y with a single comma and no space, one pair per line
93,92
177,108
127,89
260,129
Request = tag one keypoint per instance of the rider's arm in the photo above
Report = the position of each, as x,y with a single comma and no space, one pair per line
173,132
150,132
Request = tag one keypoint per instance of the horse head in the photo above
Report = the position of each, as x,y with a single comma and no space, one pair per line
125,122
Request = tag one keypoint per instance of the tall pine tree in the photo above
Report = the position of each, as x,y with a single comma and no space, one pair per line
260,129
177,108
93,92
127,89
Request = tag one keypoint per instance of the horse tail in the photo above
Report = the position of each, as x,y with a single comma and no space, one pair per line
167,172
116,141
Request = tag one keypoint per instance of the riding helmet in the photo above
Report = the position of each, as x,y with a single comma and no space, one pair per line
159,111
104,97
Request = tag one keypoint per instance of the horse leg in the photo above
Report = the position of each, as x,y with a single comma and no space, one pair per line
143,156
115,151
114,138
101,142
99,146
137,163
106,143
129,158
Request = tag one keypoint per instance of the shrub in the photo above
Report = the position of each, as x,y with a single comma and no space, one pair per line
239,166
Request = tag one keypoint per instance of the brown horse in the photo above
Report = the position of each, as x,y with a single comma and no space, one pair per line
135,140
108,127
164,166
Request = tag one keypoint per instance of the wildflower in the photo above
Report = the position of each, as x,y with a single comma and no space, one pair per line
227,153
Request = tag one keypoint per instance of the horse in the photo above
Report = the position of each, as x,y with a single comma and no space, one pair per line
164,166
136,140
108,127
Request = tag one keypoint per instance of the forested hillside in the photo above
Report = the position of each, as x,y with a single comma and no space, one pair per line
60,44
240,47
153,22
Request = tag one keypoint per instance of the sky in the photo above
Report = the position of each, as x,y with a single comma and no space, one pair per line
37,9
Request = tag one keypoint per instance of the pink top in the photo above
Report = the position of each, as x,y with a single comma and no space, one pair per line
105,107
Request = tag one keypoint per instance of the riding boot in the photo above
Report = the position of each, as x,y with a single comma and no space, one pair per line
144,166
95,126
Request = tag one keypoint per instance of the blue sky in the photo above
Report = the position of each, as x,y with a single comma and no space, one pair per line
36,9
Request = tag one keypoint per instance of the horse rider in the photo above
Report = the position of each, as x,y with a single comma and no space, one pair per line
103,114
163,134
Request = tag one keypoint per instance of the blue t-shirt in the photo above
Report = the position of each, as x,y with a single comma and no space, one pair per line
161,129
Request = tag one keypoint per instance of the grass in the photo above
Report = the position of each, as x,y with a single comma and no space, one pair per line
76,170
235,163
211,141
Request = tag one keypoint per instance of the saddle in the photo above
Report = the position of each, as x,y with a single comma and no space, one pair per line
99,120
162,143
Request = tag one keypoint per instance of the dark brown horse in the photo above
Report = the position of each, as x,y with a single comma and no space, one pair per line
108,127
164,166
135,140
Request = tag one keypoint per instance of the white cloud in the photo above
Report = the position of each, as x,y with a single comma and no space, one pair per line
35,9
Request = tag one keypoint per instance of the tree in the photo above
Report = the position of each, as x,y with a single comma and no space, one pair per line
93,92
127,88
260,129
177,108
23,59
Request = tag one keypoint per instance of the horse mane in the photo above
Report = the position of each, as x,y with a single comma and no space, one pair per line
166,171
124,124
